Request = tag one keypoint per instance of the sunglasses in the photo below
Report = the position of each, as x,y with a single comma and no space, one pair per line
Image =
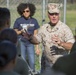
53,14
26,11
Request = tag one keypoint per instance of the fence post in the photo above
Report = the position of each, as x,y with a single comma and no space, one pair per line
65,1
43,11
7,3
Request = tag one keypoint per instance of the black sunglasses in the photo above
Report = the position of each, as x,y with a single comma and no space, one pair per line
26,11
53,14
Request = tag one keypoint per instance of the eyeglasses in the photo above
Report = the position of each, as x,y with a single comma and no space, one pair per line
53,14
26,11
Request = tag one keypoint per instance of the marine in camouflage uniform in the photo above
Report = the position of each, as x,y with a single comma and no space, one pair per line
52,51
56,37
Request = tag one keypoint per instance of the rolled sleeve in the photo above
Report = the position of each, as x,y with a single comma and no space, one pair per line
71,40
38,37
68,35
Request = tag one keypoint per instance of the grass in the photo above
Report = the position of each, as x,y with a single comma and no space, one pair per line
71,19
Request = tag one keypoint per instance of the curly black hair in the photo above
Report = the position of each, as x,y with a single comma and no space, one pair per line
22,6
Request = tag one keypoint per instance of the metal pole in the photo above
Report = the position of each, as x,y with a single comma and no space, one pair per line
29,1
43,11
7,3
65,2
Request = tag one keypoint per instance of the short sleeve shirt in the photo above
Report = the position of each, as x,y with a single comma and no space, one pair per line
21,67
24,22
45,36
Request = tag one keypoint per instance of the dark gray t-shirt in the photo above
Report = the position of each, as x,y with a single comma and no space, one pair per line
8,73
21,67
21,21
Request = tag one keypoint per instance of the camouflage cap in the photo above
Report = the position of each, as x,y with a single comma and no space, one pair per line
54,7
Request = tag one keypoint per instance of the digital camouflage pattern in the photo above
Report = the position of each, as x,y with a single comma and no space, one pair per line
52,51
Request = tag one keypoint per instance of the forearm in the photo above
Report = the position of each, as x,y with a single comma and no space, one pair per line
67,46
37,46
37,49
33,40
18,31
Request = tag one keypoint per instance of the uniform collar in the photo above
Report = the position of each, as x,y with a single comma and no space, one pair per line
55,28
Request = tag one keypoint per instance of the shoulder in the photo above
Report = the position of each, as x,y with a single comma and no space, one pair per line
63,25
20,60
45,25
8,73
42,28
73,49
20,63
20,18
15,73
33,19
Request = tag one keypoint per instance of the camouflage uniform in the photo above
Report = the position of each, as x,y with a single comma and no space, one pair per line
51,50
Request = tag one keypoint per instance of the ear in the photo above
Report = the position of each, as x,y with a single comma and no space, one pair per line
14,61
59,14
8,23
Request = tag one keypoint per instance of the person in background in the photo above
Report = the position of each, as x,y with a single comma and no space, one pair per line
52,72
10,35
4,18
67,63
8,52
56,37
26,23
73,49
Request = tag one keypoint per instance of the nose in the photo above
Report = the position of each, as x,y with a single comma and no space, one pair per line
54,15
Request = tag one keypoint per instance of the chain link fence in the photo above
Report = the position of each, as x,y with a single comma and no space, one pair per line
40,15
